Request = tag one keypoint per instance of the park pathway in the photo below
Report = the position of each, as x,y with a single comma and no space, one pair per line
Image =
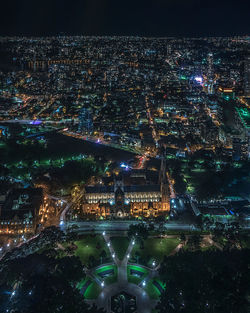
143,302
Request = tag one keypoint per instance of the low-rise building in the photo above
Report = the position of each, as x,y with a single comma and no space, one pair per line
20,211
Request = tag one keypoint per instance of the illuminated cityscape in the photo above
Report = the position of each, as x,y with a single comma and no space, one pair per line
124,164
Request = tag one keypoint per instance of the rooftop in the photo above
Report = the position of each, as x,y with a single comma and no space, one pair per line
133,188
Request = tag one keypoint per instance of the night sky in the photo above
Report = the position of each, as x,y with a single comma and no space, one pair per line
132,17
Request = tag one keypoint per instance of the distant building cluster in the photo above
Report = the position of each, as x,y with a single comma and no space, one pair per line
187,93
188,97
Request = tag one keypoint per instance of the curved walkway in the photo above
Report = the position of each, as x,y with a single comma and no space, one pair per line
143,302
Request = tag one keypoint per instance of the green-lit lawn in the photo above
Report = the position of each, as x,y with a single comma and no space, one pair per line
120,245
155,249
110,279
134,279
90,246
152,291
92,291
105,268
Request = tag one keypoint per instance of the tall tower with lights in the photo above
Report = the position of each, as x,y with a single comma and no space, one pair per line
210,73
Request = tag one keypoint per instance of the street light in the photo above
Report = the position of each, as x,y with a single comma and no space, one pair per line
144,283
128,256
153,263
113,255
133,242
102,283
104,233
108,244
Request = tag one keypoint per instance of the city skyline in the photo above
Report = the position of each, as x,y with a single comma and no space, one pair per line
124,156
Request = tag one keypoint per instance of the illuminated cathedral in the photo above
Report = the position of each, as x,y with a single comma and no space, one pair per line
123,199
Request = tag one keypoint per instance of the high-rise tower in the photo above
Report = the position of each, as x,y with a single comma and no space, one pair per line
85,121
210,73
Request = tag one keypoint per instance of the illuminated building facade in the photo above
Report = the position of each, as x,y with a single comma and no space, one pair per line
226,93
120,200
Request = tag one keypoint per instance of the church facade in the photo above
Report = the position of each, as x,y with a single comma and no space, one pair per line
120,200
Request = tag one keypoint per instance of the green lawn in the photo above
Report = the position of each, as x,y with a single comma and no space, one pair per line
155,249
120,245
92,291
134,279
105,268
152,291
89,245
110,279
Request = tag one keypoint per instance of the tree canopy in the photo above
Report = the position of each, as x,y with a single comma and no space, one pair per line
211,281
